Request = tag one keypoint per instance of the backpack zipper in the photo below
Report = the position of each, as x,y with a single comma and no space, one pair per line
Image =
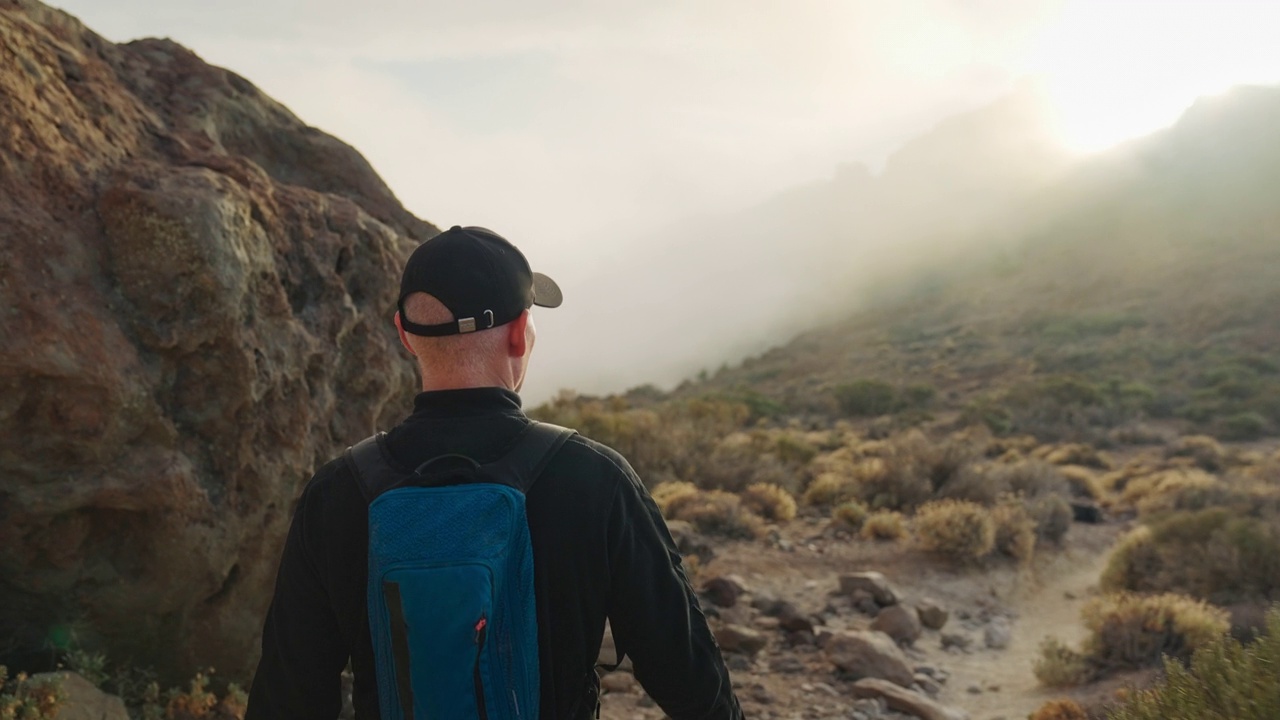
482,627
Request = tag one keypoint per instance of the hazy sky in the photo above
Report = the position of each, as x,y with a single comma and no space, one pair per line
576,128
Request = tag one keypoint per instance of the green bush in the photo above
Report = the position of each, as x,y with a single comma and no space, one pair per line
884,525
865,398
23,699
1243,426
769,502
1224,681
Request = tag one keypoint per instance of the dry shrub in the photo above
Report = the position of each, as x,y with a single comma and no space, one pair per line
1073,454
1033,479
851,513
1060,666
1134,631
24,699
671,495
1015,531
1052,515
1214,553
1157,492
1205,451
958,528
1060,710
884,525
716,512
829,489
915,470
1082,482
980,483
769,502
740,460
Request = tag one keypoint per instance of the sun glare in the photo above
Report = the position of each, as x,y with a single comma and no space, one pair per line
1117,70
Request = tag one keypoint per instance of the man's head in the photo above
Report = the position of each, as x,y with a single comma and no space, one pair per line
464,309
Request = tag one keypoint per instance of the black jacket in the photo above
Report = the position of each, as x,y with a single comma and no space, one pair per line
601,550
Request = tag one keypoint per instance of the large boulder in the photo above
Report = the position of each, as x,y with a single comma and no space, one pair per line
197,292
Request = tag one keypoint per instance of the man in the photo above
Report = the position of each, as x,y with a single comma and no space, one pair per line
601,549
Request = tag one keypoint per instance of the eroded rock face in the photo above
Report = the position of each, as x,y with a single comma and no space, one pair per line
197,293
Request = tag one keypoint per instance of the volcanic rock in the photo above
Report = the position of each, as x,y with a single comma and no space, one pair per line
869,654
906,701
899,622
197,292
870,582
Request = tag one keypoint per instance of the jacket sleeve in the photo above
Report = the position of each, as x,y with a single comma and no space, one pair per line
303,653
655,615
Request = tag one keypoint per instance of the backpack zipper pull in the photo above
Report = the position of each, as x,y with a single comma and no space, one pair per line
481,625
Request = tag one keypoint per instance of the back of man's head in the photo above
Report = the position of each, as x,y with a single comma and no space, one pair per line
464,309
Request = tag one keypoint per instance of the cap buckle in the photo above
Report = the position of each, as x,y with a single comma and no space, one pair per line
466,325
489,313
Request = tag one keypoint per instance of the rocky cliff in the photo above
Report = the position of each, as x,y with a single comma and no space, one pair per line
197,292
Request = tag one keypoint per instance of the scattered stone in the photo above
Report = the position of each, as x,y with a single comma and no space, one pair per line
957,640
869,655
864,602
872,582
928,684
793,621
899,622
974,690
689,541
906,701
999,634
767,604
618,682
788,664
766,623
932,614
1086,511
82,701
738,639
723,591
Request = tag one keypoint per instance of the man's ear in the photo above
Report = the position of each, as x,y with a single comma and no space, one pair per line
517,342
404,339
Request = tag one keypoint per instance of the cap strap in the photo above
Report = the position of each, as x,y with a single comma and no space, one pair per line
487,319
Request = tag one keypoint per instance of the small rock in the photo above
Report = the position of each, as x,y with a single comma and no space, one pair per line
793,621
864,602
898,622
956,640
722,591
1086,511
999,634
869,655
906,701
973,690
738,639
932,615
787,664
928,685
872,582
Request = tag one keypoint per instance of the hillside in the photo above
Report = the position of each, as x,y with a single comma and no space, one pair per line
1141,287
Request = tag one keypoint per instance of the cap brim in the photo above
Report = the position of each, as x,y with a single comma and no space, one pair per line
546,293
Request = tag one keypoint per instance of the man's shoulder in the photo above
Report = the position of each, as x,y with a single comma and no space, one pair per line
581,450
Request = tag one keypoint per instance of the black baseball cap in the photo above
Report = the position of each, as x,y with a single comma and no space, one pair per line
480,277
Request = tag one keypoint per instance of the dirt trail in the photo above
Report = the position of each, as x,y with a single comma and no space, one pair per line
1048,604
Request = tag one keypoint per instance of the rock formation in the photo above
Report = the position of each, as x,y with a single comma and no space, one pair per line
197,293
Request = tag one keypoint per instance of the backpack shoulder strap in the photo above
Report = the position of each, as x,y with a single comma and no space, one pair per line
367,460
529,455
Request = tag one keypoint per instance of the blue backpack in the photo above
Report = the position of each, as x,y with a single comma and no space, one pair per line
450,588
